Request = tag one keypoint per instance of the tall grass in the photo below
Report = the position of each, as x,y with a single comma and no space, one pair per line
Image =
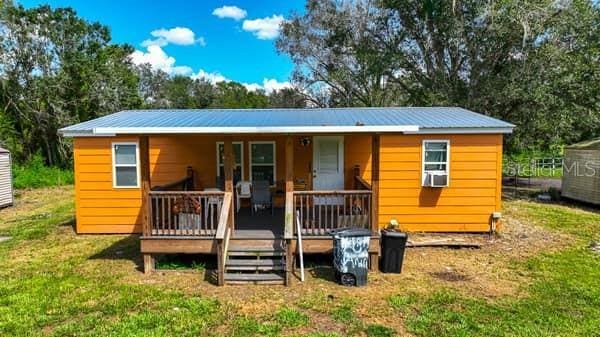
35,174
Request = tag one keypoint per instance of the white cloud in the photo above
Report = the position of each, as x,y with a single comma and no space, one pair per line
268,85
265,28
271,85
159,60
179,35
252,86
231,12
214,77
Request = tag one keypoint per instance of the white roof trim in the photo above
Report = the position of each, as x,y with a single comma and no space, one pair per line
241,130
407,129
476,130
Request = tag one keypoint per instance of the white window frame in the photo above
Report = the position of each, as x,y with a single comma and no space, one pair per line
136,165
447,163
241,143
250,164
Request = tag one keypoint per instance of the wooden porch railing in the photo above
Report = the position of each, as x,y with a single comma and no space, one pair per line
361,184
223,234
322,211
185,213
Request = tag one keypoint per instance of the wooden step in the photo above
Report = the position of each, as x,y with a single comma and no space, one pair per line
254,265
239,250
255,253
257,243
263,278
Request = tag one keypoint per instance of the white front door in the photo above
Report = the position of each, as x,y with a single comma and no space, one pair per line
328,164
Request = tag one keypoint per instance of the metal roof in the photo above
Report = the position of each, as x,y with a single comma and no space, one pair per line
309,120
2,150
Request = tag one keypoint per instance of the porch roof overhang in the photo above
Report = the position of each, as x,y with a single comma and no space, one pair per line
435,120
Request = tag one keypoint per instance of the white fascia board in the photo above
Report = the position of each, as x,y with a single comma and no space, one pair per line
479,130
258,129
71,134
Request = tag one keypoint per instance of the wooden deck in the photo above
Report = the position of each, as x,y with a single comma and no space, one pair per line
264,242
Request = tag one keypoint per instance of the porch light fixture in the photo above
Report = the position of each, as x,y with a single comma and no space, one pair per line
304,141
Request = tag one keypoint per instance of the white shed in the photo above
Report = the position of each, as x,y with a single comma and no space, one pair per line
6,188
581,172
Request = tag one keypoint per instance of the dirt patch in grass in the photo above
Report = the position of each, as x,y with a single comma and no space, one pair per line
450,275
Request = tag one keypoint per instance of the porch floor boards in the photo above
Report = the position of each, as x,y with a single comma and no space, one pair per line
261,225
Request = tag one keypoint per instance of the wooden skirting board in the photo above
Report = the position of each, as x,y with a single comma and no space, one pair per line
185,245
443,243
157,245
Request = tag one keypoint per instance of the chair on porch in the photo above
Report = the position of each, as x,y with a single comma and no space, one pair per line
243,190
261,195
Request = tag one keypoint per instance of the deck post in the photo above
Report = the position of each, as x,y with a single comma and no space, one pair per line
228,165
144,153
289,189
375,153
228,158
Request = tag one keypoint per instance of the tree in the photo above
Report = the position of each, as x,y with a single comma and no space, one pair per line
233,95
333,48
535,64
287,98
57,69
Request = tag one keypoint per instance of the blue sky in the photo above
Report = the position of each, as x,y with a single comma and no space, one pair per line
231,40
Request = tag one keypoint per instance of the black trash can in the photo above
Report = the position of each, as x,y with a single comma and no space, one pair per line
392,251
351,255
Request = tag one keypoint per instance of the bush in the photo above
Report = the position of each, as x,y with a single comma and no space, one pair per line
35,174
554,193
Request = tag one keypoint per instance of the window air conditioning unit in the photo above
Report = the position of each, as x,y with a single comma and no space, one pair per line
436,180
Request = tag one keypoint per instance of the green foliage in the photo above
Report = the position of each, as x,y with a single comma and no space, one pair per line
250,327
375,330
177,262
401,302
158,90
554,193
323,334
291,318
57,69
534,64
343,313
35,174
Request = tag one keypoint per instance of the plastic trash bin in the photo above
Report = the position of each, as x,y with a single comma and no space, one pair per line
351,255
393,245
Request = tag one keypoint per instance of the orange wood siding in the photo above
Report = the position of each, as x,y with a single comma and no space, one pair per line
466,205
473,193
357,151
100,208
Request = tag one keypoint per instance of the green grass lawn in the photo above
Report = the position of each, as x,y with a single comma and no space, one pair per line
56,283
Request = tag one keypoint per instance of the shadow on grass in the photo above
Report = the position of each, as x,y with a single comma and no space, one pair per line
319,266
127,248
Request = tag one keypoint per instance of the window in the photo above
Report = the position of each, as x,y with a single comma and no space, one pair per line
435,157
125,165
262,161
238,151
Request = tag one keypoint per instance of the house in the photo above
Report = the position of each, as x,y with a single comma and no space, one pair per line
171,175
6,188
581,172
